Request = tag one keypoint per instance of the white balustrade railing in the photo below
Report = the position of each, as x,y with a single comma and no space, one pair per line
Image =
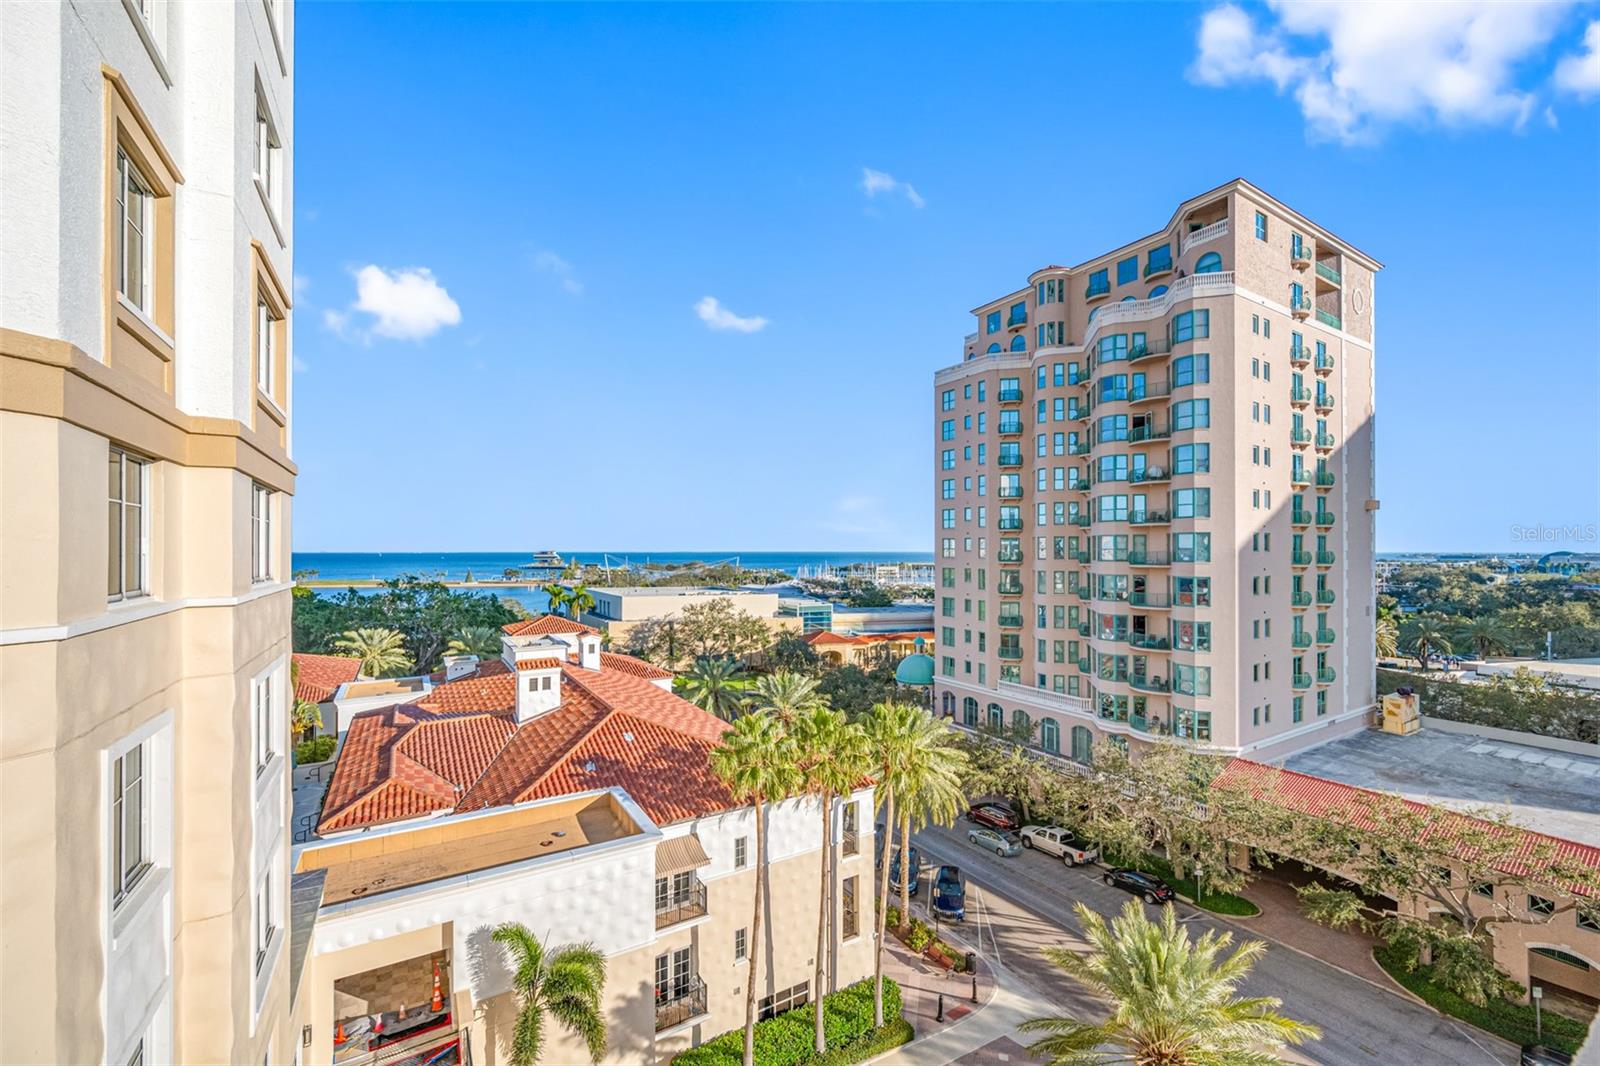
1217,283
1204,234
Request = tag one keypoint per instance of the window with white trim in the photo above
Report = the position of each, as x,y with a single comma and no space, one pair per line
263,718
263,919
128,484
260,532
135,233
269,150
266,351
130,820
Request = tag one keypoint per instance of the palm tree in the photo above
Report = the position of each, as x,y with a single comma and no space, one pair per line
1486,635
579,599
932,768
756,760
304,719
482,641
717,685
1427,639
1173,999
834,759
381,651
786,694
558,597
892,729
1388,636
565,983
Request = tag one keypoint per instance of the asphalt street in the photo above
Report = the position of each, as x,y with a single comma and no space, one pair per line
1018,906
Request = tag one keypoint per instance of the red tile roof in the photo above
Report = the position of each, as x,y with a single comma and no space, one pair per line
460,749
611,660
824,636
545,623
1336,801
546,663
318,677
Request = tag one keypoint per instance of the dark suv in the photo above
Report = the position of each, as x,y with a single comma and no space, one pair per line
1151,887
994,816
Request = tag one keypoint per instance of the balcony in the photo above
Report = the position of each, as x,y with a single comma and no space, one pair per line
1150,600
1017,320
1299,558
1299,436
1325,519
1144,558
1300,257
1083,664
1325,479
1302,681
1080,448
1300,599
1327,318
1150,643
1148,350
1149,518
1324,442
1082,592
1300,518
1009,427
1324,402
1009,395
1146,434
1299,356
1080,411
1205,233
679,1002
1082,629
1325,596
1010,654
1328,274
683,905
1149,391
1324,363
1300,307
1010,492
1299,395
1301,639
1096,291
1150,475
1080,557
1300,478
1158,267
1326,636
1324,558
1145,683
1010,525
1080,484
1082,520
1009,621
1007,460
1009,583
1326,676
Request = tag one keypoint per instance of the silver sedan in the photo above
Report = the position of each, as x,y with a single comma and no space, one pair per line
1002,844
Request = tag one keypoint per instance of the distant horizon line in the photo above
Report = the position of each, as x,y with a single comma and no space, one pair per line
605,551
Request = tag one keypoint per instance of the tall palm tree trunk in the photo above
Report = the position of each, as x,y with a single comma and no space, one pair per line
905,869
821,1040
883,914
756,953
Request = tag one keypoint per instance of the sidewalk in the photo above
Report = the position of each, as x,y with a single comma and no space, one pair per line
922,983
1281,920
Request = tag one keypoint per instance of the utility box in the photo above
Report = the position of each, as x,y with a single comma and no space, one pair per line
1402,713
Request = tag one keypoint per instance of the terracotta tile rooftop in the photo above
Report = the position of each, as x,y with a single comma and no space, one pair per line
546,663
318,677
545,623
611,660
460,749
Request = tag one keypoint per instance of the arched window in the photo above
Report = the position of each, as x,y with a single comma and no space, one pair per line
1050,736
1159,290
993,348
969,712
1209,263
1125,299
1019,343
1082,744
1020,724
1092,313
997,717
950,704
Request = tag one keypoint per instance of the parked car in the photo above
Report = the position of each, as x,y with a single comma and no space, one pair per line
1151,887
1002,844
1539,1055
1064,844
994,816
894,862
949,894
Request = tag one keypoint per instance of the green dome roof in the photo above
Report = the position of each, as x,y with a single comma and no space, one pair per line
915,670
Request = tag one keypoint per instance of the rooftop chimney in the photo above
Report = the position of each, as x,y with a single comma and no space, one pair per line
459,666
589,651
538,688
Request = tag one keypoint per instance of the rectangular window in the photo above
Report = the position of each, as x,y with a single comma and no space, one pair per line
261,714
741,944
1539,905
130,822
849,822
992,322
786,1000
266,355
852,919
1191,325
268,149
127,527
741,852
135,232
1099,283
1261,226
1128,270
263,919
260,533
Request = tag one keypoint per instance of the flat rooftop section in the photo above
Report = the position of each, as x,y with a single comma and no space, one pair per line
397,686
370,865
1548,791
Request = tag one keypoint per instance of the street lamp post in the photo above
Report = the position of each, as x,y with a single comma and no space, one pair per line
1538,1016
1200,884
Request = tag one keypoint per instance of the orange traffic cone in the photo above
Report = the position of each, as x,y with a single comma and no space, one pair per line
437,1002
339,1036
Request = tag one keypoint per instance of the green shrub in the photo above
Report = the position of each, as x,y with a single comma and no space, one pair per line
1215,902
1513,1021
317,749
895,1032
1547,711
919,937
788,1039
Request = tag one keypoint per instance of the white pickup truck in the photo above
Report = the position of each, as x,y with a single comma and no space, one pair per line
1054,840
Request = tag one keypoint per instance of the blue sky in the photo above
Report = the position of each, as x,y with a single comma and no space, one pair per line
508,219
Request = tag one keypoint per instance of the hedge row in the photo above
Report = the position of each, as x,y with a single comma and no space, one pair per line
1512,1021
1552,713
788,1039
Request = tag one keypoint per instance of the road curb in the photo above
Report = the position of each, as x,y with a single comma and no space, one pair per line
1391,986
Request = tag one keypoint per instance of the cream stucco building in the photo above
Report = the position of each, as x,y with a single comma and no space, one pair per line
145,485
1153,478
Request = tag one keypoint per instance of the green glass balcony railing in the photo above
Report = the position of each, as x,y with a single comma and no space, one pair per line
1080,448
1325,519
1010,426
1082,520
1324,440
1323,363
1302,680
1300,599
1082,592
1138,557
1153,390
1300,558
1010,395
1010,621
1299,517
1299,436
1150,643
1324,479
1327,273
1083,665
1148,599
1327,319
1094,291
1009,460
1324,402
1299,394
1010,492
1300,253
1149,518
1299,355
1325,596
1144,433
1301,640
1157,266
1082,557
1010,524
1299,478
1300,304
1082,628
1326,636
1148,351
1015,320
1326,676
1010,654
1325,558
1145,683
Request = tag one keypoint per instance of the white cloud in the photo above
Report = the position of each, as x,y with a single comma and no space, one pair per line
300,366
1357,68
875,181
406,304
548,262
1579,73
717,317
